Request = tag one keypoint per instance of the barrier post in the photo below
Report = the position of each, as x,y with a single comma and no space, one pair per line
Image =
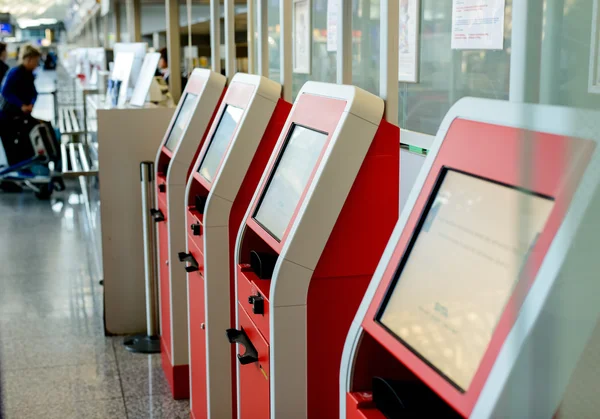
150,342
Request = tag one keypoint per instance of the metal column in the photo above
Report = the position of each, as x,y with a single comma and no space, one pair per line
550,59
149,343
188,57
251,29
263,37
94,30
286,59
215,36
106,31
388,66
156,41
174,48
134,20
230,52
117,20
527,18
344,47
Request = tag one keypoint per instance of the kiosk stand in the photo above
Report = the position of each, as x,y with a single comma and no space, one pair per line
126,137
177,151
311,240
487,292
218,192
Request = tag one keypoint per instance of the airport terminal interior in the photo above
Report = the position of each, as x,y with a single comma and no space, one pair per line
299,209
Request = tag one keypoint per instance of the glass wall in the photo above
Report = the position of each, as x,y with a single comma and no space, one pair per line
446,75
365,44
571,31
323,63
274,40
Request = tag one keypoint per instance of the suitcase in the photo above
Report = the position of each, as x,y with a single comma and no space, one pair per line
26,138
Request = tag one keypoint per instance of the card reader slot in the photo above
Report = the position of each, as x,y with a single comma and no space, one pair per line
263,263
200,203
397,399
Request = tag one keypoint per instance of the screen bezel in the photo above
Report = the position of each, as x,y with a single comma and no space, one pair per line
556,164
180,108
316,112
408,250
212,137
267,184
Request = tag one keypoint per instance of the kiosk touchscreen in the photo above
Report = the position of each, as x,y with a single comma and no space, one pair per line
224,179
307,249
182,142
465,304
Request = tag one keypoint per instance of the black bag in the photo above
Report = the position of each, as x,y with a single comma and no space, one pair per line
25,137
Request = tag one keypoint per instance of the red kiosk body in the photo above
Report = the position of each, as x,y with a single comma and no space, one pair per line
463,310
311,240
174,161
218,193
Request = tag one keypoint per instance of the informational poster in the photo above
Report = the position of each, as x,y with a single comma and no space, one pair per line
332,24
302,37
478,24
408,41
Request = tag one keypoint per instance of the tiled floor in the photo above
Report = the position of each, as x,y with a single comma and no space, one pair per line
56,362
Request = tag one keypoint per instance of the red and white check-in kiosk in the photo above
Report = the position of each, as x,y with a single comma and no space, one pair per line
224,179
176,154
487,292
310,242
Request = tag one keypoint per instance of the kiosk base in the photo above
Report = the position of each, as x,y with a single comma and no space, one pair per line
142,344
178,376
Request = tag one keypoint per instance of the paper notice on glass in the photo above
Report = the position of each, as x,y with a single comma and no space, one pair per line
408,53
332,24
302,38
478,24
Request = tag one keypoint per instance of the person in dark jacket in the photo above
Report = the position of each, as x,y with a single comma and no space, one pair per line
3,66
17,97
18,93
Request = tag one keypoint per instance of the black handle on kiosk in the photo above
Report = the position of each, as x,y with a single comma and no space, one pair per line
196,229
187,257
239,336
258,303
162,188
157,215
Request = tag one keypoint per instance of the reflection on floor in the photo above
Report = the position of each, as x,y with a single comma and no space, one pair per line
55,360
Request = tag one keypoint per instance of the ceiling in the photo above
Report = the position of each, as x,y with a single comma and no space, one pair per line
57,9
35,9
